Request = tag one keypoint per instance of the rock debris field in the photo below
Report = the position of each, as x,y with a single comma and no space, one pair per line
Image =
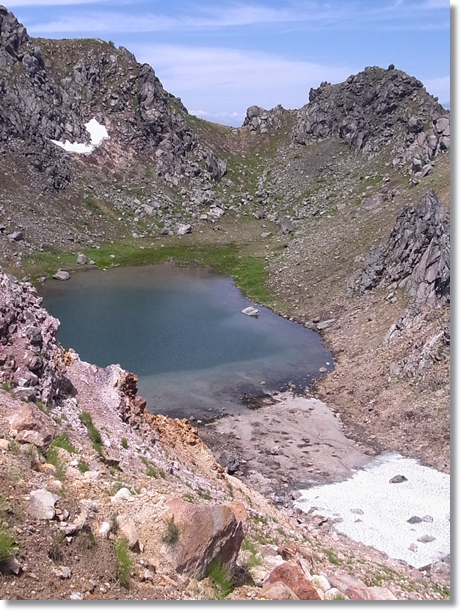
408,519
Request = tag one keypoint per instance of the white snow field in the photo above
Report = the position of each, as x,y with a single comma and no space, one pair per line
375,512
98,133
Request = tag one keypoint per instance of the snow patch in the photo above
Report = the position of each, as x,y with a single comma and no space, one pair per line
98,133
387,507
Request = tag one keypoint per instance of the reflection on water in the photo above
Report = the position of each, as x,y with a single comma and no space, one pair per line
181,330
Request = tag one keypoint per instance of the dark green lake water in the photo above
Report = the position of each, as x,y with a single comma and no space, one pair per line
183,333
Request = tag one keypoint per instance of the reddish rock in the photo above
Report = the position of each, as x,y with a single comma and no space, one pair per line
358,594
29,424
278,591
292,575
353,588
206,533
380,593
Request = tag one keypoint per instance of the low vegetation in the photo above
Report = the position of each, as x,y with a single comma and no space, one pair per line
124,562
171,534
222,580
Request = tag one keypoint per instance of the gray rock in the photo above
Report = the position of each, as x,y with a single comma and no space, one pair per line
397,479
414,520
416,255
62,275
325,324
285,226
183,228
42,504
82,259
426,538
15,236
250,311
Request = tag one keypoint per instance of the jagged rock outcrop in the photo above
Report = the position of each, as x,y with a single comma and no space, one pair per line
416,256
50,89
375,109
262,120
30,355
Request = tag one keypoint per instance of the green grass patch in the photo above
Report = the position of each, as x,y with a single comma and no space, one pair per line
83,467
124,443
151,470
222,580
331,556
124,562
254,559
93,433
7,545
62,441
249,273
203,493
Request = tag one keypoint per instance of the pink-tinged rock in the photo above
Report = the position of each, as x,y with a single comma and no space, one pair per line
28,418
206,533
128,530
28,436
359,594
353,588
292,575
278,591
380,593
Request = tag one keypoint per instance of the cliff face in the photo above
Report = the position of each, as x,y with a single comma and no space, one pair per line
416,256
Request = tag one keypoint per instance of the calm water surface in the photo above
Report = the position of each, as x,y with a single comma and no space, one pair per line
183,333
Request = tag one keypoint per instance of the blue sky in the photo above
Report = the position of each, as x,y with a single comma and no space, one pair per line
222,56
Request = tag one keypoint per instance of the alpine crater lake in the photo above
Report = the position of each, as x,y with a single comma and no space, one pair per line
183,333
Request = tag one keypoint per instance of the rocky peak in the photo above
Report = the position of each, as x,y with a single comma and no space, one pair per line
12,36
375,109
50,89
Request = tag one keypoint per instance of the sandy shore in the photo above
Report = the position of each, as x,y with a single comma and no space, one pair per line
289,443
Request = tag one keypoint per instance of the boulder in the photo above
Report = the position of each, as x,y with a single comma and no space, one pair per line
29,424
42,504
206,533
325,324
285,226
278,591
183,228
291,575
82,259
62,275
250,311
128,530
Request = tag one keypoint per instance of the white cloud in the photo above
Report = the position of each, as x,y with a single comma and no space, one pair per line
232,79
203,17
